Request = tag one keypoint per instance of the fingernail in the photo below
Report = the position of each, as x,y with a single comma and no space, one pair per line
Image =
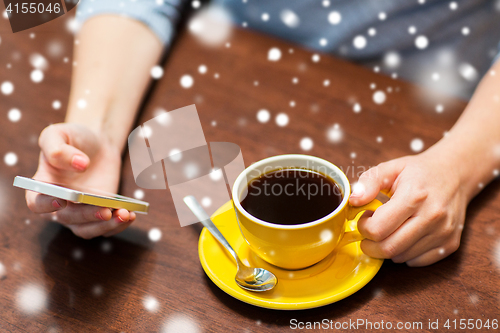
358,190
99,216
120,218
56,204
79,163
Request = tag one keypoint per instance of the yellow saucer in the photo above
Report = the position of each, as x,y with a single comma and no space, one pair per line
337,276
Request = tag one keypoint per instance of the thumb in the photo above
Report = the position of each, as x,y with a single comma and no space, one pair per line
55,143
376,179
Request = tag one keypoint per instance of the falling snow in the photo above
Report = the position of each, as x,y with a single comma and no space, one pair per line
206,202
31,299
417,145
289,18
81,103
306,144
274,54
202,69
156,72
56,105
468,72
106,246
150,303
334,18
439,108
139,194
77,254
315,57
154,234
97,290
186,81
356,108
38,61
358,188
191,170
335,134
265,17
72,25
379,97
36,76
282,119
392,59
216,175
7,88
3,271
496,255
211,25
10,159
180,323
326,235
263,116
175,155
421,42
359,42
14,115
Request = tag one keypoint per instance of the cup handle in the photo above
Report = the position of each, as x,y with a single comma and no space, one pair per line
355,236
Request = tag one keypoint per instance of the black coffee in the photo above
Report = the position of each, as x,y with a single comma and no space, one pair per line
292,196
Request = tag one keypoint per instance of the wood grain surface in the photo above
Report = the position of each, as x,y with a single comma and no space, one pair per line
105,284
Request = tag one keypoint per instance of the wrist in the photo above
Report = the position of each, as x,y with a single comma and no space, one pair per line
113,131
464,161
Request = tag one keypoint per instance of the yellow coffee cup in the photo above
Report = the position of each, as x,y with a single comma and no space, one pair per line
299,245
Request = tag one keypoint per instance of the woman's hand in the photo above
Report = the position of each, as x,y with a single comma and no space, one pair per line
423,220
74,155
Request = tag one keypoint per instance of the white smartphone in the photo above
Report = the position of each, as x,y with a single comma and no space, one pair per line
87,196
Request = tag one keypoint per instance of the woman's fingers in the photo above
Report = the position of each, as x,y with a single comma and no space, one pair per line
406,237
57,150
427,249
104,228
81,213
371,182
121,215
388,217
85,221
93,229
432,256
118,229
123,225
41,203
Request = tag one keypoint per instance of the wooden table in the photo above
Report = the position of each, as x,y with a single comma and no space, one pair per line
75,285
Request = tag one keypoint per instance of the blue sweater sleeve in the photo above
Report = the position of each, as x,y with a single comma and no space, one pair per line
497,57
161,16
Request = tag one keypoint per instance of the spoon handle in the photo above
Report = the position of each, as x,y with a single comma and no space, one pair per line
202,215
